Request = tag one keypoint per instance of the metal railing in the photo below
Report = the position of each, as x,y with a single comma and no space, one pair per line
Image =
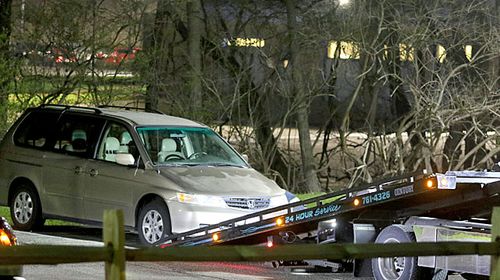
115,255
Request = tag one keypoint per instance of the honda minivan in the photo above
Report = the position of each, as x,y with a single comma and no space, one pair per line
168,174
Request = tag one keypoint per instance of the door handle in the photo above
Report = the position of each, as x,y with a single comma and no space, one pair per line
93,172
78,170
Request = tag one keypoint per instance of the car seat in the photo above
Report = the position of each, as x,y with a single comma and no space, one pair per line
125,139
78,141
169,150
111,147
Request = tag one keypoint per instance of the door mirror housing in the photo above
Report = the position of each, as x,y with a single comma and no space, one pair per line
125,159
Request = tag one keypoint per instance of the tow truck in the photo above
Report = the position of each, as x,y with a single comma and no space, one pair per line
420,207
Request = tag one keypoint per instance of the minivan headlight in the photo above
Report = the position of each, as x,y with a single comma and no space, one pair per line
207,200
278,201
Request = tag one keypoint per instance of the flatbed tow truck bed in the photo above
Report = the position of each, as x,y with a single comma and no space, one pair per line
458,200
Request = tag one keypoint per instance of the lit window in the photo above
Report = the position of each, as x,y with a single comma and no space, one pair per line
406,52
468,52
440,53
344,2
347,50
246,42
285,63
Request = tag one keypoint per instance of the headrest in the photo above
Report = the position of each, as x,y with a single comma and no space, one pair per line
112,143
78,134
125,138
168,145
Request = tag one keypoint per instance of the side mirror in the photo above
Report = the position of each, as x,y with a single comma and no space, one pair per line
125,159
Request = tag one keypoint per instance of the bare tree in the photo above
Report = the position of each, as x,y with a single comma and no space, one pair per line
311,183
437,97
61,49
195,25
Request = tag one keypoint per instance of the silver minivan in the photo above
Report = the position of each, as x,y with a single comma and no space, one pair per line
168,174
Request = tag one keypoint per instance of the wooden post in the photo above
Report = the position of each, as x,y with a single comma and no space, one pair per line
495,236
114,237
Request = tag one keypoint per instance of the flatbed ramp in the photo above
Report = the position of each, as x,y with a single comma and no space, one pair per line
390,199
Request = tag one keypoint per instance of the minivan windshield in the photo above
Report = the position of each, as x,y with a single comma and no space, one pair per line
187,146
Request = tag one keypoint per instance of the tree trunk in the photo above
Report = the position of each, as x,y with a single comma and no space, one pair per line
495,61
263,127
157,51
311,182
195,25
5,73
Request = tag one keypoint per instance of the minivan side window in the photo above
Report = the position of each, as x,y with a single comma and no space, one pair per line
35,129
116,140
77,135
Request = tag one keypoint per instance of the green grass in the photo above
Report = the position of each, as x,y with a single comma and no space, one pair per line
5,212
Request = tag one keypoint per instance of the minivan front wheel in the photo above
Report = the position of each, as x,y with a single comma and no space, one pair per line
25,209
153,223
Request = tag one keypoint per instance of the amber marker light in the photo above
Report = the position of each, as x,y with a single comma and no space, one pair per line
280,221
429,183
356,202
216,237
4,239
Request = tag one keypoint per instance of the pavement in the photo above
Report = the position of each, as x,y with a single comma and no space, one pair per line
152,270
156,270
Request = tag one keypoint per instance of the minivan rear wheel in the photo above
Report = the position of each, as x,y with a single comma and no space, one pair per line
153,223
25,209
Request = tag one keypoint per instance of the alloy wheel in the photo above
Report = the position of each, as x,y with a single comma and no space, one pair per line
23,207
152,226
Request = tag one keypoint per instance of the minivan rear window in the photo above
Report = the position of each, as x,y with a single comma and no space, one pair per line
35,129
77,134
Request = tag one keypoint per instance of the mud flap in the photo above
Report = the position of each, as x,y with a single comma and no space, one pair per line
363,233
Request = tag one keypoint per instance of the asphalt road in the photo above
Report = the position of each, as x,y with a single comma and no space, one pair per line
88,236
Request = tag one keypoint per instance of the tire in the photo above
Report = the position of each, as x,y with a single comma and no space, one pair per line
153,224
25,208
397,268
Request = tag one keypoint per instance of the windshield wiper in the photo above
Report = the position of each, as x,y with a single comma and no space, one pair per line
170,164
225,164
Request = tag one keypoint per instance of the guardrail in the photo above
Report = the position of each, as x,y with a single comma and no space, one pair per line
115,255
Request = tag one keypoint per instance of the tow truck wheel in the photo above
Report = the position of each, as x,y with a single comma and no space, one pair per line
404,268
153,223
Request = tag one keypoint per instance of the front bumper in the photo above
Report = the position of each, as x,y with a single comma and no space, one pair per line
185,217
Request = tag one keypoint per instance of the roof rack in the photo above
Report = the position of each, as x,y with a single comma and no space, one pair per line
70,107
131,108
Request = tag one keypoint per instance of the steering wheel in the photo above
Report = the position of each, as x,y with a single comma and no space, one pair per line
196,155
173,156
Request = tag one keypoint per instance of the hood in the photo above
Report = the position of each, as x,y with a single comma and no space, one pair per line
221,181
